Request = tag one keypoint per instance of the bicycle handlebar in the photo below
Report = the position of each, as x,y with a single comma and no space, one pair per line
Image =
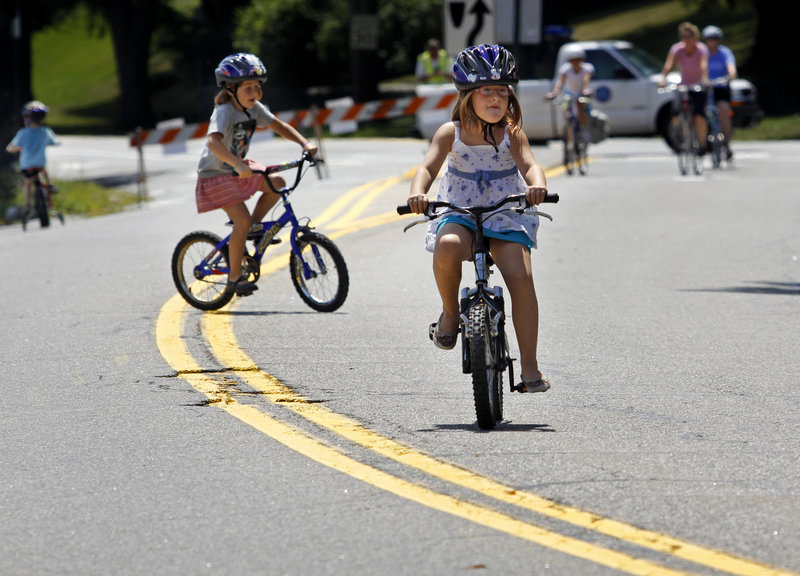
430,211
306,157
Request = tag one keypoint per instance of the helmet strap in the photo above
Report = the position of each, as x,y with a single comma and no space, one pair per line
236,97
488,135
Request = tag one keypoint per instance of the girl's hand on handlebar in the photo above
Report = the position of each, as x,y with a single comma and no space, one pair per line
311,148
418,203
535,194
243,169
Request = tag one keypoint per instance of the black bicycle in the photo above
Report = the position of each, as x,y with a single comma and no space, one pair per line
42,201
200,263
484,344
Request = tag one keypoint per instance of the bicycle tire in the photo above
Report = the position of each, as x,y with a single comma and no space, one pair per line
696,158
209,292
569,152
41,207
580,153
325,282
684,144
487,380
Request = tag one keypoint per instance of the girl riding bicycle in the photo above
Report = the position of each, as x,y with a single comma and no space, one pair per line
488,158
225,178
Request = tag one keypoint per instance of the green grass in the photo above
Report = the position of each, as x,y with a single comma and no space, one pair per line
76,197
74,73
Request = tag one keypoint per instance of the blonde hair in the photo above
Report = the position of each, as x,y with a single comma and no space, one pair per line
690,27
465,113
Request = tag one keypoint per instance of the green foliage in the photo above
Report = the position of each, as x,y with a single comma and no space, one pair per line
302,42
306,42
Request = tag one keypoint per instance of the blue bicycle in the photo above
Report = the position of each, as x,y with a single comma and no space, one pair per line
200,263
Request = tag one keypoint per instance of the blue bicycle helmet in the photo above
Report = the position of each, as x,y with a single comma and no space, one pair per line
34,110
240,67
484,65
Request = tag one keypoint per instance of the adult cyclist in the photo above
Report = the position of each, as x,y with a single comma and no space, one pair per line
691,57
574,76
721,70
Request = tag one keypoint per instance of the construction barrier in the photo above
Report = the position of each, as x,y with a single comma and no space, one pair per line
375,110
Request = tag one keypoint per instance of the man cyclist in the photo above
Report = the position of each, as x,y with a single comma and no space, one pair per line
721,70
691,57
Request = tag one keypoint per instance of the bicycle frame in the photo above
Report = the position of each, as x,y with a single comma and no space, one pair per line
491,296
269,228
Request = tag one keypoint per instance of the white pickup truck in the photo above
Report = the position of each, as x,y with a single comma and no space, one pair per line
625,88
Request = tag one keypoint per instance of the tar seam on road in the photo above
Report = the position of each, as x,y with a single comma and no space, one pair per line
218,331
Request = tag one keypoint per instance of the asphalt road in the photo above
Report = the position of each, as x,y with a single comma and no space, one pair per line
140,436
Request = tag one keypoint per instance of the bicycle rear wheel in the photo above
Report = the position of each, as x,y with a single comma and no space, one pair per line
200,271
487,380
684,141
40,204
319,273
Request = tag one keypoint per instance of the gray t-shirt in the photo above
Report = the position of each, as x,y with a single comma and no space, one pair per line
237,129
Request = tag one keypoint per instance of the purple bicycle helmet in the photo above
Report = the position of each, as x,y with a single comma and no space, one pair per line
484,65
240,67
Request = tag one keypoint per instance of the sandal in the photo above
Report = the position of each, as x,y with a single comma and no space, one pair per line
529,386
442,340
242,286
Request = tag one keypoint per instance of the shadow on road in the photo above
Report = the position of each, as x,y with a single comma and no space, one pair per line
769,288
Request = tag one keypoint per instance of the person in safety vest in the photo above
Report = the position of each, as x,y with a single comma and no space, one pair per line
433,65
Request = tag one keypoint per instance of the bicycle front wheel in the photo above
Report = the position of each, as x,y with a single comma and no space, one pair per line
200,271
319,273
581,148
487,380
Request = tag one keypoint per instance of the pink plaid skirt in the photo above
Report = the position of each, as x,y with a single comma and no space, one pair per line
224,190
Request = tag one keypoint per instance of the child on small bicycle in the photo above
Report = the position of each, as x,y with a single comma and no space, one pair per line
31,142
225,178
573,77
488,158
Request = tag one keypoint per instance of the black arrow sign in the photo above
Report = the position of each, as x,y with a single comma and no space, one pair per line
479,9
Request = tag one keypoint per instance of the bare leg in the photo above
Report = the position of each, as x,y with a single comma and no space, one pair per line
514,261
268,199
240,217
453,246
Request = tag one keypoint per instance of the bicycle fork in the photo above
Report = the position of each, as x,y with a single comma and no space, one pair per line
492,298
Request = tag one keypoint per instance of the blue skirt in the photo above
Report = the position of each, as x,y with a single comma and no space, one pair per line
511,236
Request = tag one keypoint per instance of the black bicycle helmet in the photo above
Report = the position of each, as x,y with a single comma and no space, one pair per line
240,67
34,110
484,65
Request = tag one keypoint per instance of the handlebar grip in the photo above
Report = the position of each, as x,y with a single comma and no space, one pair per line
404,209
551,198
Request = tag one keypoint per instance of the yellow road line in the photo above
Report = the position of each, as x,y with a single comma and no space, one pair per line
219,332
169,330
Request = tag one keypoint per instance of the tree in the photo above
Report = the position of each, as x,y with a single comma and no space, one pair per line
770,67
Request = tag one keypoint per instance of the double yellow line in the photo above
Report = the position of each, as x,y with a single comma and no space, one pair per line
218,333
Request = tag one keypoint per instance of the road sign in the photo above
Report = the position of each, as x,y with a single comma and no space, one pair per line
467,23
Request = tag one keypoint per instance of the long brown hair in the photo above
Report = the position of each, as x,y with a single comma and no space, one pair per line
465,113
223,96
